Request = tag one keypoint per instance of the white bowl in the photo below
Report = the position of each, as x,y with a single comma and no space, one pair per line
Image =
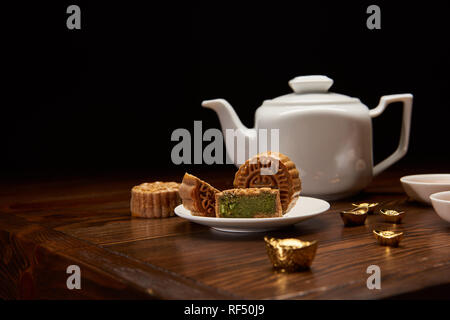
441,204
421,186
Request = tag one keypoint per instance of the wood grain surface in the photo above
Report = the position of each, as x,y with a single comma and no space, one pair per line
47,225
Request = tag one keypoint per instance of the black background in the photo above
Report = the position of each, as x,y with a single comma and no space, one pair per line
107,97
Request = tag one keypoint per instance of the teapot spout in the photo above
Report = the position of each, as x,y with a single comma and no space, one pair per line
237,152
227,116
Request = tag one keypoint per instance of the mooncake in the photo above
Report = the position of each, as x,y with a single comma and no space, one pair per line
198,196
154,199
256,173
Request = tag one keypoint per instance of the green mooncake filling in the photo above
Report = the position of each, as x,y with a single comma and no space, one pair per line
235,206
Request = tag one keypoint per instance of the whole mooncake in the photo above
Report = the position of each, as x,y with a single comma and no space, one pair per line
257,172
248,203
198,196
154,199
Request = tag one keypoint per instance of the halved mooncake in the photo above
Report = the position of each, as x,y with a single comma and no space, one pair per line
248,203
256,173
198,196
154,199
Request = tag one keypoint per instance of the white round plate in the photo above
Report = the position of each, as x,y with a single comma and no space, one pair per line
305,208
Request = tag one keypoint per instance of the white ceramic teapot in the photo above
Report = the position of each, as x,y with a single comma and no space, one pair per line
327,135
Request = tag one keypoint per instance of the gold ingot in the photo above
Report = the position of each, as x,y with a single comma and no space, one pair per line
388,238
290,254
355,217
370,206
392,215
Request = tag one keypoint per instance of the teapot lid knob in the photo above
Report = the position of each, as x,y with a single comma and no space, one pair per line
310,84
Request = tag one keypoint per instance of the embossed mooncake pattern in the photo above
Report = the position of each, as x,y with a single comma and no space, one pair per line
286,179
198,196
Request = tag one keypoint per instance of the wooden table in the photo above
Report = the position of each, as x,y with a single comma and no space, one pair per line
48,225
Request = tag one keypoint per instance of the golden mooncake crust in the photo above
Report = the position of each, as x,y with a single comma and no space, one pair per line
154,199
286,179
198,196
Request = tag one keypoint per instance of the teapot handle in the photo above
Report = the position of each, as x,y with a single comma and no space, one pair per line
402,148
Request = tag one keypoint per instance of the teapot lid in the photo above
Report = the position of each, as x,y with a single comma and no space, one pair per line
310,90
